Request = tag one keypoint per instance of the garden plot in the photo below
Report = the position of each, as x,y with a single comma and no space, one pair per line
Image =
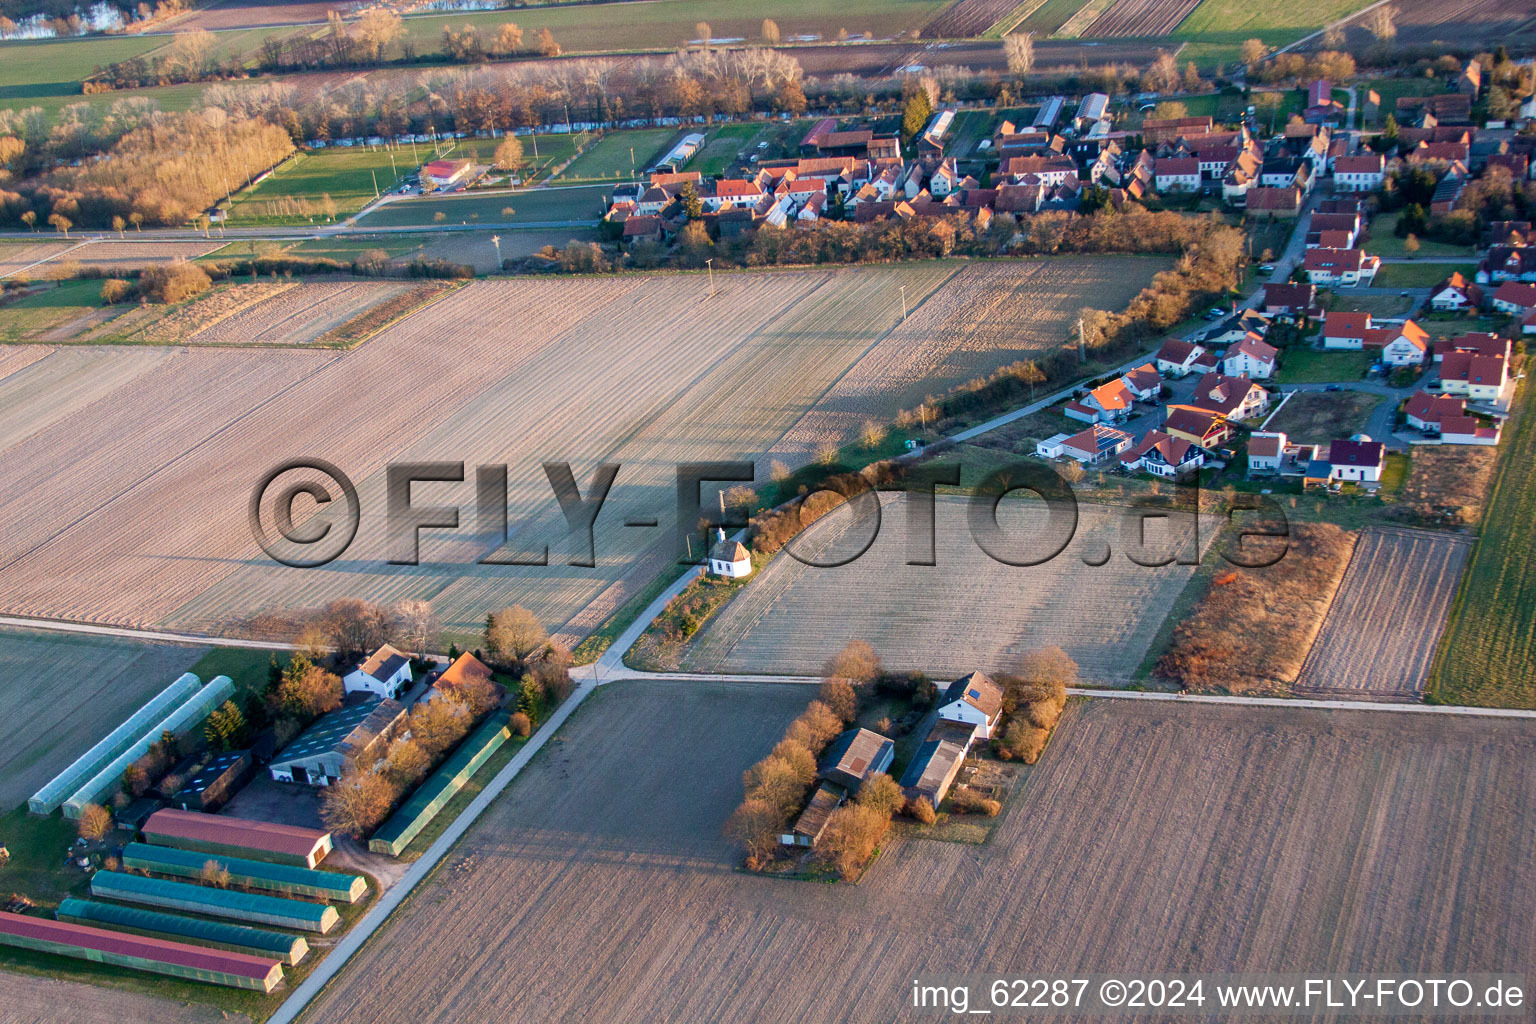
21,258
296,315
1381,631
174,325
61,692
967,612
1152,839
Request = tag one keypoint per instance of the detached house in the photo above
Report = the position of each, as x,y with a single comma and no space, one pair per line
1480,343
1235,398
1197,426
1455,294
1477,378
1108,403
1144,382
1345,330
1341,267
1356,461
386,673
1426,412
1514,297
1292,301
973,700
1251,357
1177,358
1407,345
1099,443
1266,451
1163,455
1178,174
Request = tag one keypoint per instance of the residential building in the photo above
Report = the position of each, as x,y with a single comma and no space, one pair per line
1469,430
1235,398
1346,268
1163,455
1364,173
1144,382
385,673
1099,443
466,669
1482,343
1178,174
1110,402
1198,426
1291,301
1406,345
1455,294
1251,357
1345,330
1177,358
1357,461
1233,329
1477,378
1507,263
1425,411
1281,203
1516,298
1266,451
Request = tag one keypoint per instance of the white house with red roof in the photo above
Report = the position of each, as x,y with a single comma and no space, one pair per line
1164,455
1454,294
1251,357
1177,358
1358,461
1144,382
1425,411
1482,343
1405,345
1236,398
1266,451
1178,174
1477,378
1363,173
1514,297
1469,430
1346,268
1110,402
1099,443
1345,330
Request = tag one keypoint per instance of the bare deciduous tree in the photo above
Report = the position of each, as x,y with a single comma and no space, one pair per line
1020,51
416,625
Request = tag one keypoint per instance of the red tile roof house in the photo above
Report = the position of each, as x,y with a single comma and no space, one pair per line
1357,461
1207,429
1144,382
1273,202
1455,293
1479,378
1178,174
1333,240
1345,330
1480,343
1528,323
1468,430
1425,411
1163,455
1265,452
1358,173
1251,357
1176,358
973,700
1346,267
1514,297
1407,345
1108,403
1508,263
1098,443
1342,221
1291,300
1236,398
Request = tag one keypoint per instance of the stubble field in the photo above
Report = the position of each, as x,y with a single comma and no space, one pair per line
969,611
297,314
60,693
1150,838
644,371
1385,620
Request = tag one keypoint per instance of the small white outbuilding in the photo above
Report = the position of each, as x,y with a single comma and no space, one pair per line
729,558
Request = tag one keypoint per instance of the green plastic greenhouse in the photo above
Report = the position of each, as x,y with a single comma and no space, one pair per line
202,899
250,874
433,795
290,949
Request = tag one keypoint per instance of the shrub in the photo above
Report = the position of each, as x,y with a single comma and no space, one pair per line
852,834
406,762
115,290
777,782
755,827
922,810
1024,740
798,757
95,822
856,662
520,724
815,727
174,282
881,792
357,802
969,801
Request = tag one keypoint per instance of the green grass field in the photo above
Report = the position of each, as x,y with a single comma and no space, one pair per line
530,207
1310,366
35,314
1487,656
36,66
1275,22
1048,18
665,24
1387,245
617,156
348,176
1417,275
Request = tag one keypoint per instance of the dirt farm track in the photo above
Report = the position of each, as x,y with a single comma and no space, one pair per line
1149,838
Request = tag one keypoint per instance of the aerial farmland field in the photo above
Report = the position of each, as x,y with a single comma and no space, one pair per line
536,370
1155,837
1381,631
988,614
1141,18
40,734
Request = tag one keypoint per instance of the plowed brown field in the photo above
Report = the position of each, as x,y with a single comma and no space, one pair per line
1141,18
1150,838
1381,631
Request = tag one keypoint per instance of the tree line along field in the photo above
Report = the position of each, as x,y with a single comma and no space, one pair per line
969,611
61,692
1154,838
1380,632
520,372
1488,653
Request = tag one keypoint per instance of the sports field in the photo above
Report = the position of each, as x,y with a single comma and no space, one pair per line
1151,839
644,371
1488,653
61,692
310,188
581,204
616,156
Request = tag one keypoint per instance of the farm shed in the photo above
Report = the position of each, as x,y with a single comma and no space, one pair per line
208,788
249,874
189,714
200,899
855,756
47,799
290,949
433,795
813,820
139,953
934,767
356,733
237,837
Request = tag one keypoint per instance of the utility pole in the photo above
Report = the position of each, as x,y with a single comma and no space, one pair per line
392,168
496,241
710,265
1082,346
375,176
903,303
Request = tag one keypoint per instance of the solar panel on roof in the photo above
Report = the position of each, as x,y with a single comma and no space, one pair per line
975,694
